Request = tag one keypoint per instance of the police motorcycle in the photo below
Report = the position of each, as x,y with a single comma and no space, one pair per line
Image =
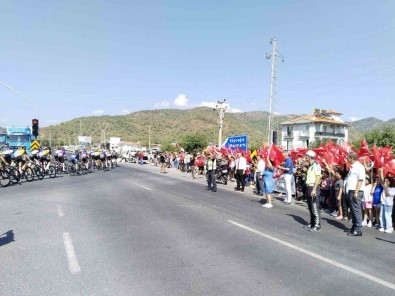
222,172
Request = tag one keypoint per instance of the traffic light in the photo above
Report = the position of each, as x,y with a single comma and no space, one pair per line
35,127
275,137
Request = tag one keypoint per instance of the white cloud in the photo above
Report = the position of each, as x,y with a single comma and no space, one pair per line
52,121
97,112
181,101
162,105
253,103
3,120
208,104
233,110
353,118
125,111
214,105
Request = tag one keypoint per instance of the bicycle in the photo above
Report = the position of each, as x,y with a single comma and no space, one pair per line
5,178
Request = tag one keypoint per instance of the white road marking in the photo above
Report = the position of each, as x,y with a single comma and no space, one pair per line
60,210
72,259
141,186
319,257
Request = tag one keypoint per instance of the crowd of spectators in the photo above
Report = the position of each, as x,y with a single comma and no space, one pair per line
261,171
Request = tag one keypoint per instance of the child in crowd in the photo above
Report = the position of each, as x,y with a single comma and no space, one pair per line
339,193
377,190
367,202
325,191
232,168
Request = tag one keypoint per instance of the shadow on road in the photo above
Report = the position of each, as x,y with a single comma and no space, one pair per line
384,240
9,238
298,219
336,224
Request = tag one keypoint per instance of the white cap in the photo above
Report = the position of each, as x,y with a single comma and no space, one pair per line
310,153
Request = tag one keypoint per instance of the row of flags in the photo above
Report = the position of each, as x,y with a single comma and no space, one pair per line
326,154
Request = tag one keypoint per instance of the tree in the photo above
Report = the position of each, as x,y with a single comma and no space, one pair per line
169,147
194,142
381,137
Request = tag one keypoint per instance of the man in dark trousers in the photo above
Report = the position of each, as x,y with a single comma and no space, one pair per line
241,166
355,186
313,180
210,168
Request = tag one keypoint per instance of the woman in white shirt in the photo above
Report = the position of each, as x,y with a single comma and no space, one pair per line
387,203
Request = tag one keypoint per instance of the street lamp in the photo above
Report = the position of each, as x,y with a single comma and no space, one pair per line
221,109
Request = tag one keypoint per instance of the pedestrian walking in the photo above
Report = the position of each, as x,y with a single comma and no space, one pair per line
192,161
162,160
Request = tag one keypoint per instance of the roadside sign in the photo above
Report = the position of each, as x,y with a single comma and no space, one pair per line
35,144
236,141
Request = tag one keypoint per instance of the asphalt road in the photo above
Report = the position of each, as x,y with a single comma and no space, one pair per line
134,231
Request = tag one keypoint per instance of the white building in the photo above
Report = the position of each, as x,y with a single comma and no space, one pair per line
323,125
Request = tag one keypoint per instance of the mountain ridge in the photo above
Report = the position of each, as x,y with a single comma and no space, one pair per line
170,125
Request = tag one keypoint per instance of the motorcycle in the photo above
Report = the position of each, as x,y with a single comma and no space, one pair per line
221,174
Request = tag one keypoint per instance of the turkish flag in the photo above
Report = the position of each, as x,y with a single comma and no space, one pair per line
274,153
386,154
364,150
389,168
376,157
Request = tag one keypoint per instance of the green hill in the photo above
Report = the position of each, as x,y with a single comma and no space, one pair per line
167,125
359,127
170,125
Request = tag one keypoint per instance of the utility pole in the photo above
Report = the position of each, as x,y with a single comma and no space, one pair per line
149,138
103,129
220,108
272,100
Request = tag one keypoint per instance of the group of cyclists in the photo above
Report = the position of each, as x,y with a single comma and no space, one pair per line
18,164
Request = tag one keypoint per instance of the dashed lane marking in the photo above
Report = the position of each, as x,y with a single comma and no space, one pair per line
141,186
319,257
72,259
60,210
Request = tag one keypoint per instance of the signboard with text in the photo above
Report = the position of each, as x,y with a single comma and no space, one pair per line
236,141
84,140
18,131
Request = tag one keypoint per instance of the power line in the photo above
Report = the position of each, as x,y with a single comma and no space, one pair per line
346,49
336,82
349,86
341,71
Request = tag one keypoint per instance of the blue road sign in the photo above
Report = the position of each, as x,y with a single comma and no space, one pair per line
236,141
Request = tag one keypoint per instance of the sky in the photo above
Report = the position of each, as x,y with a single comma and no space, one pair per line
69,59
